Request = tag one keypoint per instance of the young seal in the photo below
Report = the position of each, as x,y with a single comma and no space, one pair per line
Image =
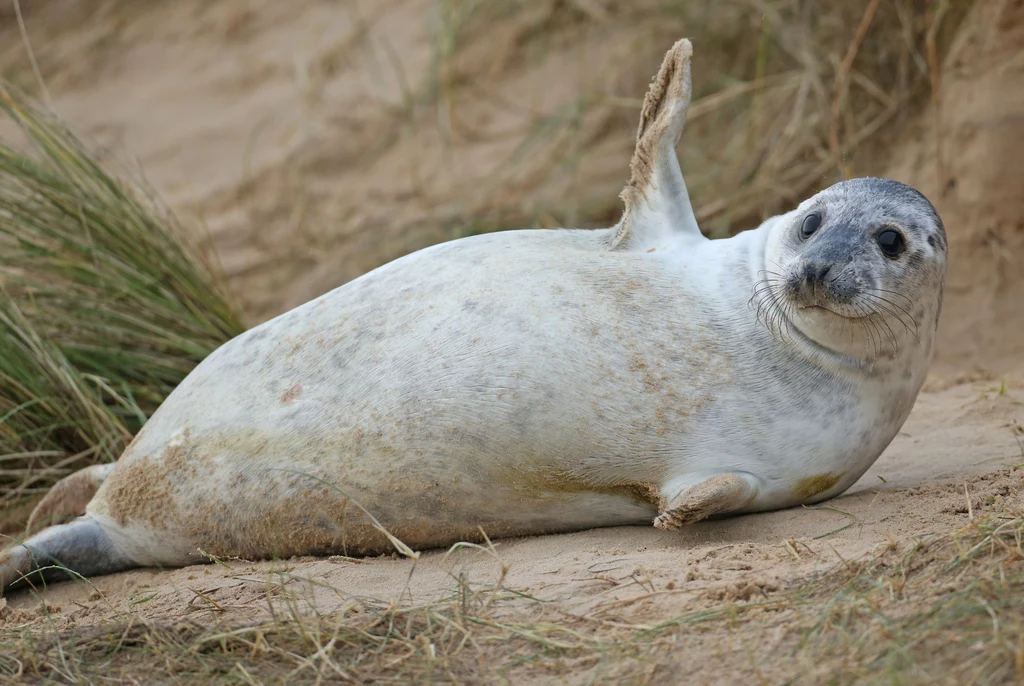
531,382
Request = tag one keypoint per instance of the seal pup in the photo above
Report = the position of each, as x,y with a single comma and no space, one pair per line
532,382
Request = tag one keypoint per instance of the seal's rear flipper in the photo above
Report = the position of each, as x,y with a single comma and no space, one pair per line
718,494
79,548
657,204
68,497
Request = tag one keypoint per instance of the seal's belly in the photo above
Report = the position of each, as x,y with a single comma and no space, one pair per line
521,395
228,506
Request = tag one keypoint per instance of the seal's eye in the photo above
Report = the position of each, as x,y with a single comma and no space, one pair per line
810,225
891,243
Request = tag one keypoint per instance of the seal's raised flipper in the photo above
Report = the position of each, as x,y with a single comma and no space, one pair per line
657,204
68,497
81,546
718,494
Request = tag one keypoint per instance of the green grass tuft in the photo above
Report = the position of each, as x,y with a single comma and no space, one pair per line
106,304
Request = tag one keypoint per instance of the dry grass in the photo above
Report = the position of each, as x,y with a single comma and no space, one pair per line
776,116
785,94
939,609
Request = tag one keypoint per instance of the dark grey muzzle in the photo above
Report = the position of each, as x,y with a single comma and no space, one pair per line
823,274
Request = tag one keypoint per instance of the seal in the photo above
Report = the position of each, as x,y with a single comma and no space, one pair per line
535,381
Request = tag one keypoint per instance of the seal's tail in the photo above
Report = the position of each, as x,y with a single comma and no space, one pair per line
78,549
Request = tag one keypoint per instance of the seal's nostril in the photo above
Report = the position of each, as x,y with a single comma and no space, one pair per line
816,272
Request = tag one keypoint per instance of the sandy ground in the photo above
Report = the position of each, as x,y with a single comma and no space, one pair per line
222,107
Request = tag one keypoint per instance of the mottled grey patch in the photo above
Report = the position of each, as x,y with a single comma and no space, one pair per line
520,419
255,335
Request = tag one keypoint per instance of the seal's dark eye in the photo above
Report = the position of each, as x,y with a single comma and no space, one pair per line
891,243
810,225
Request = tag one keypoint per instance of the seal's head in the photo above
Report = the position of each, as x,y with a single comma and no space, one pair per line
857,271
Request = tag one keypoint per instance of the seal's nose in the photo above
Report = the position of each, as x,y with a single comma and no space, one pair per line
815,273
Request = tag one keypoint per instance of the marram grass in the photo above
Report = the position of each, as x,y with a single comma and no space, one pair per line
106,303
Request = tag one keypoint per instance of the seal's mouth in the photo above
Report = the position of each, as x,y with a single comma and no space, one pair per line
823,308
774,310
813,290
833,327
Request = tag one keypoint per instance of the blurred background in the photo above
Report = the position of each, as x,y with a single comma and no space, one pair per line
317,139
302,144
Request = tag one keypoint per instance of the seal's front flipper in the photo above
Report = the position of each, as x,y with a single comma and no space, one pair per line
718,494
657,204
68,497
